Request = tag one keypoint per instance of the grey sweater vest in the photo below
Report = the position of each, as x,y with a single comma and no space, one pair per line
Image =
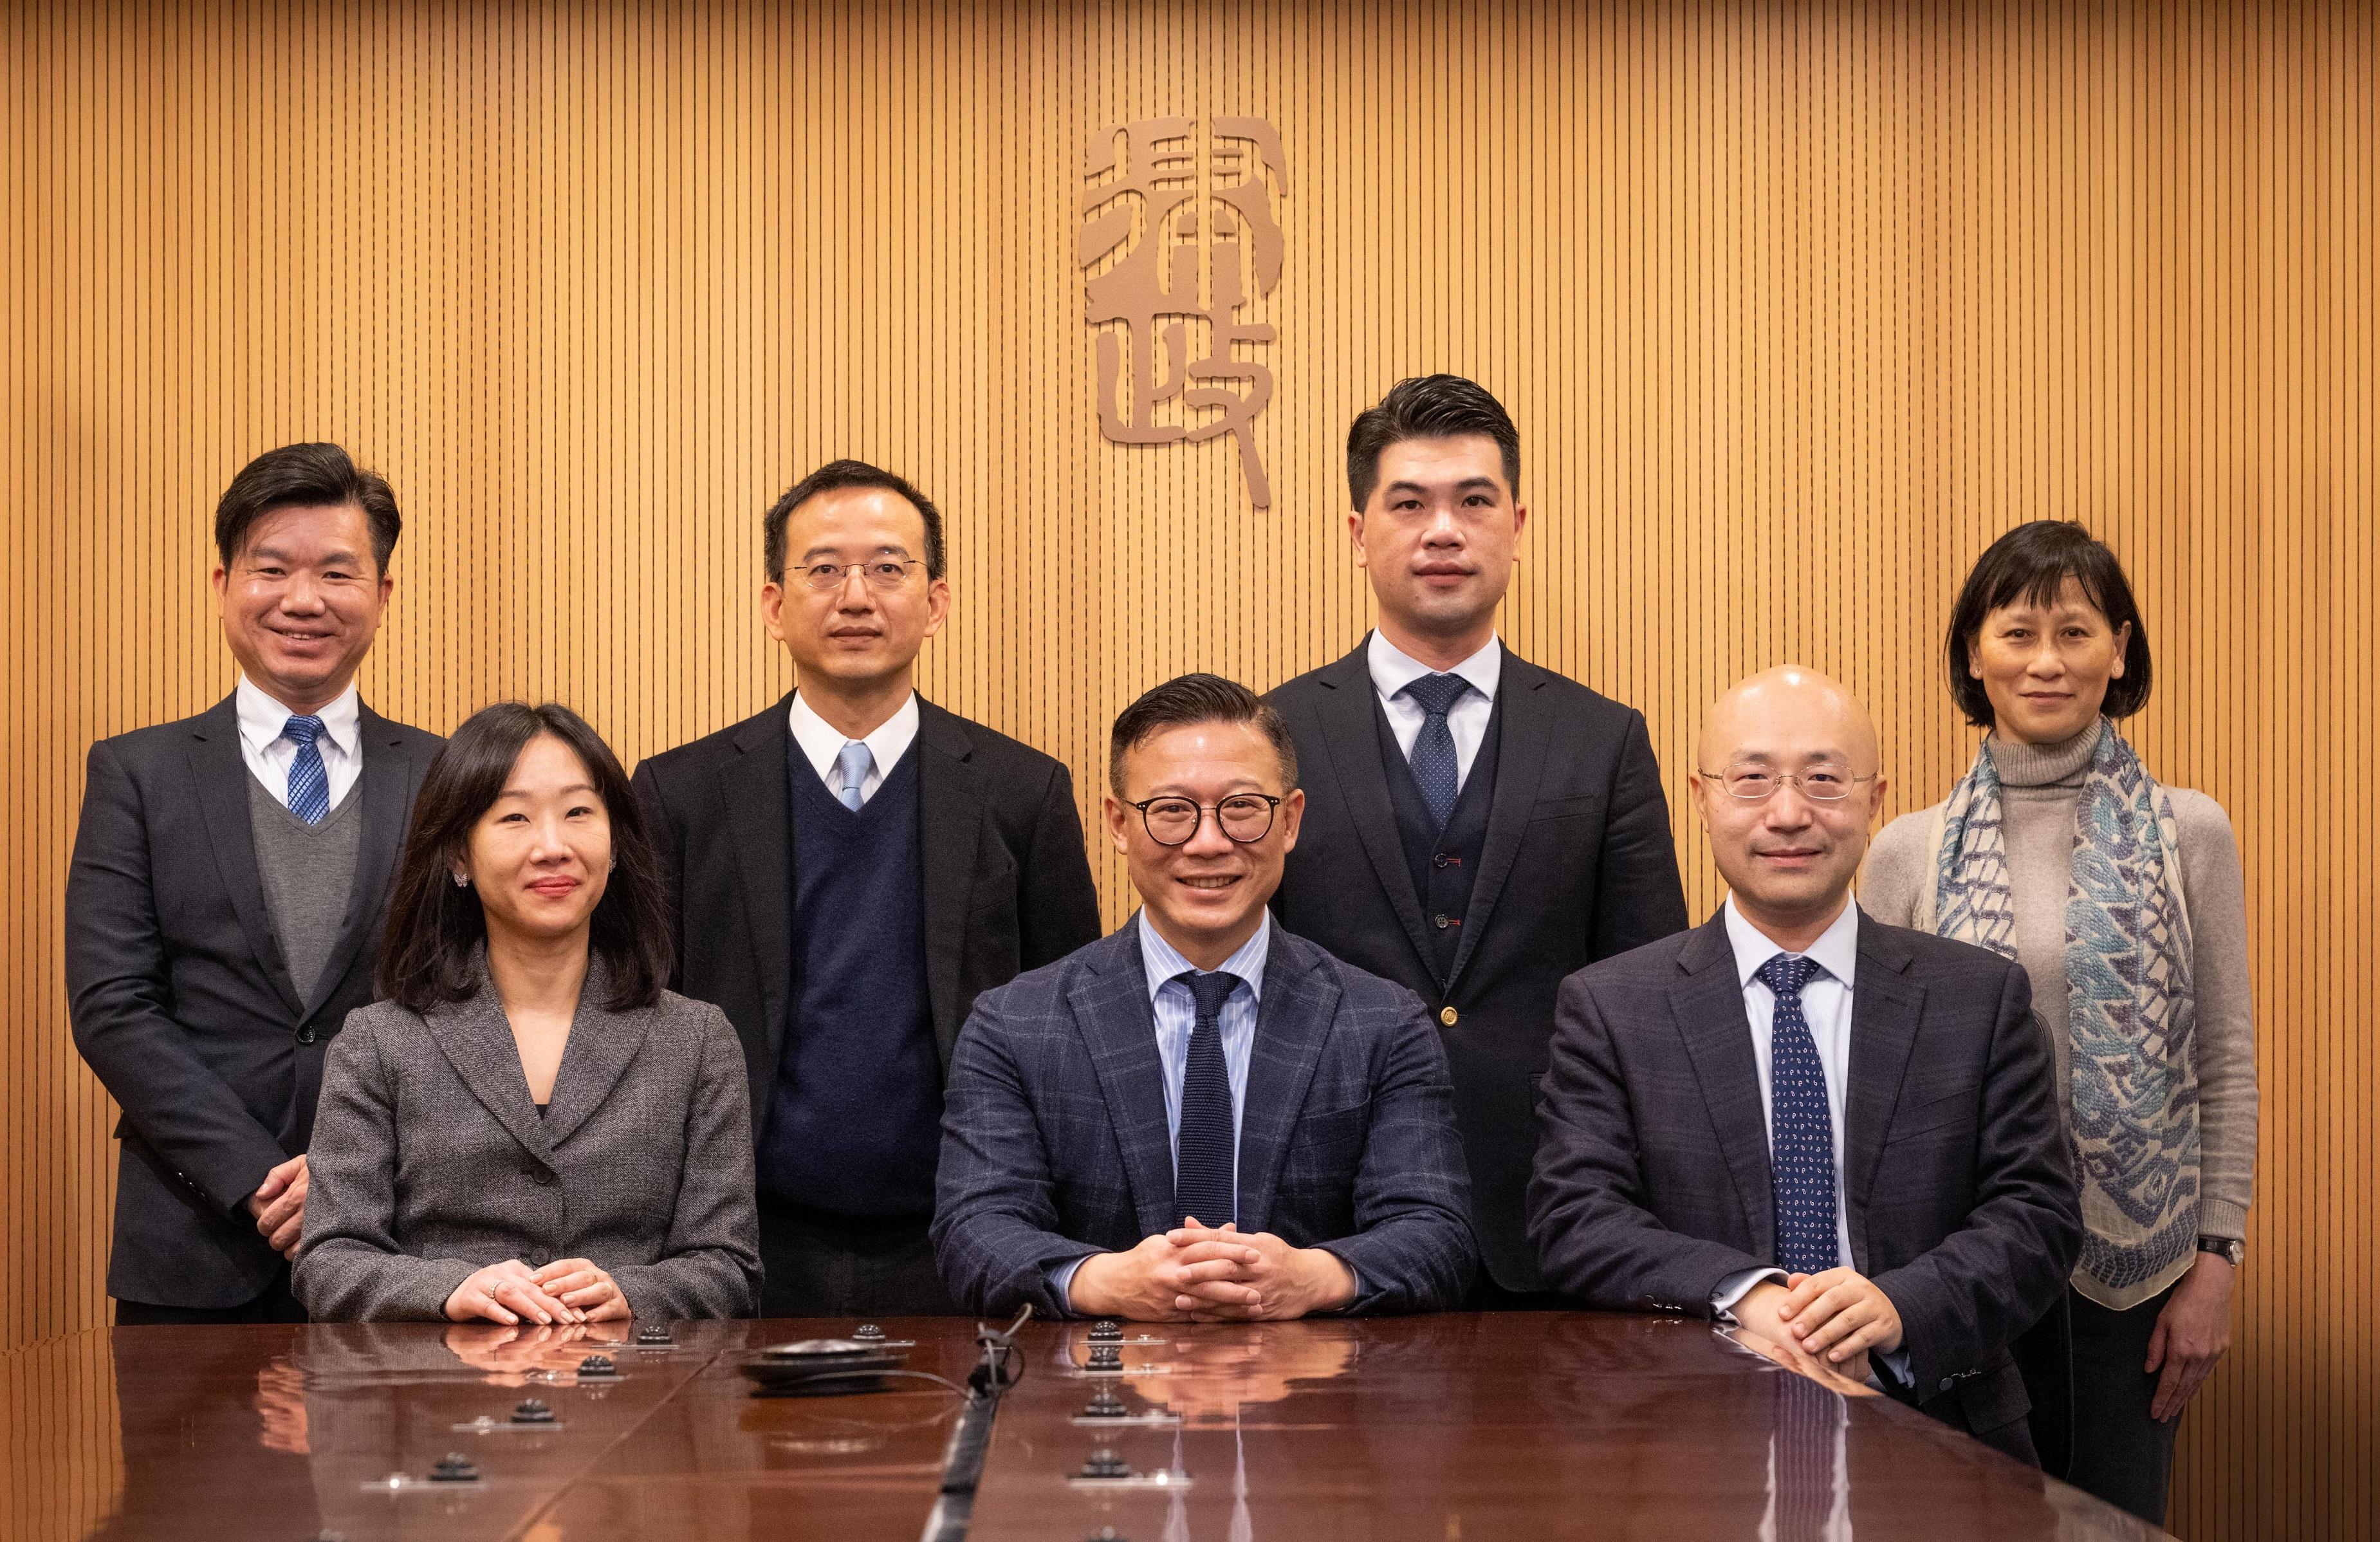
308,872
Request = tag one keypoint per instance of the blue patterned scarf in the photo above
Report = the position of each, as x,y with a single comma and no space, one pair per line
2131,1009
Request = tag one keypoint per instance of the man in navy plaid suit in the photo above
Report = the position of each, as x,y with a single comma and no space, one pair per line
1201,1117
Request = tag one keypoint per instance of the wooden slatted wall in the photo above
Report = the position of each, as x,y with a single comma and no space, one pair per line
1797,307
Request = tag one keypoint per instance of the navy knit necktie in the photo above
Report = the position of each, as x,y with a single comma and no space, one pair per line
1206,1152
1432,758
309,782
1801,1133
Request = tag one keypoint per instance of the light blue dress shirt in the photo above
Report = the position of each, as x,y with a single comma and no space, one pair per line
1176,1014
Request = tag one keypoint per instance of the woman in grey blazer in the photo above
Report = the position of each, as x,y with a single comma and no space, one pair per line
530,1128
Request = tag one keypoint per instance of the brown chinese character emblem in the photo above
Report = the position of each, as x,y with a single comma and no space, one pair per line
1179,248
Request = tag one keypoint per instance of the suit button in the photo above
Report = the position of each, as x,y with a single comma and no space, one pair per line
306,1036
1439,860
539,1176
1447,1016
1945,1386
1439,921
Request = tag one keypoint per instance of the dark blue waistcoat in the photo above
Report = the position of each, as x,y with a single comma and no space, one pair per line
1444,862
854,1125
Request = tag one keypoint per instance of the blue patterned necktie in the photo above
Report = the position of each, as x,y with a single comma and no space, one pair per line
310,784
1432,758
1205,1153
1801,1133
853,765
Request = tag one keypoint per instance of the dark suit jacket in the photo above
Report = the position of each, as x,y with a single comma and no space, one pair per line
432,1161
1579,865
1653,1179
1055,1146
1007,885
181,1001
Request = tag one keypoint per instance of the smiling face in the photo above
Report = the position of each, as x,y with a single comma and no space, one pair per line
853,632
2045,668
540,856
1206,896
301,601
1788,858
1437,535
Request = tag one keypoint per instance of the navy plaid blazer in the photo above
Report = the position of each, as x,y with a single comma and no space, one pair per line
1054,1143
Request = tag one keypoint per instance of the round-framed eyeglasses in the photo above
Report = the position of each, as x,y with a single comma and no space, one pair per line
1819,784
883,574
1173,822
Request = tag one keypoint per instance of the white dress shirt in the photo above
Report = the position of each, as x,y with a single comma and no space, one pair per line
821,742
269,755
1827,1008
1393,669
1176,1012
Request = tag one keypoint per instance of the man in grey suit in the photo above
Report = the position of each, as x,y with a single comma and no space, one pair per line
1477,826
1837,1133
1201,1117
228,878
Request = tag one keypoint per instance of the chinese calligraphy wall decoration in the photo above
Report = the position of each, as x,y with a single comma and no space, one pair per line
1180,245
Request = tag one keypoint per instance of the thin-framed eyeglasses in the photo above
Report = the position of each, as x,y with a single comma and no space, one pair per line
883,573
1174,821
1819,784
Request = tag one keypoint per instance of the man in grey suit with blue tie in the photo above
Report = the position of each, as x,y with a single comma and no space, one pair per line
1201,1117
1837,1133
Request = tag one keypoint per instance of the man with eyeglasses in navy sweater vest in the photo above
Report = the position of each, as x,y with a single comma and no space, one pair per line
852,867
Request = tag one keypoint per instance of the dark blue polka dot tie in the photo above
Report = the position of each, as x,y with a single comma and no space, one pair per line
1801,1132
1205,1152
310,782
1432,758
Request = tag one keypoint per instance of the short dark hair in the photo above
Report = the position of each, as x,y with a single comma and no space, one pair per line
306,477
434,927
837,474
1427,406
2032,563
1197,698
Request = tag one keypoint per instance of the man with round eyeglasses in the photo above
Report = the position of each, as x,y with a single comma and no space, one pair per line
1202,1117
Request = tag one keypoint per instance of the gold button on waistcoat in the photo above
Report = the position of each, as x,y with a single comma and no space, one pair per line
1446,1015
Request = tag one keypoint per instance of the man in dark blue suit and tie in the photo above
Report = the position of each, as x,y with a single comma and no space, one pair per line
1201,1117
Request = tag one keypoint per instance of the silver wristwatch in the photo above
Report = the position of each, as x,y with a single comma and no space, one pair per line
2231,1250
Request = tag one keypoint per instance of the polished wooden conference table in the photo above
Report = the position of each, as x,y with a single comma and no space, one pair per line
1468,1428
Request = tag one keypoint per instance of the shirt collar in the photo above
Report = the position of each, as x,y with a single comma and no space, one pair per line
261,719
1162,961
1836,950
1393,669
820,741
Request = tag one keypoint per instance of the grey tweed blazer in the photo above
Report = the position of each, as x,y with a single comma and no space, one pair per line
429,1161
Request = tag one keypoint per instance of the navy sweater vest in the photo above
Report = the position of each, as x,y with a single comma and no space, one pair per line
855,1126
1444,863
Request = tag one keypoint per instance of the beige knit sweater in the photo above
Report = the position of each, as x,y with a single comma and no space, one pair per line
2040,785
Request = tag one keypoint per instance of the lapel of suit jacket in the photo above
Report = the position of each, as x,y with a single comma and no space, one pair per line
950,819
1526,729
1293,1017
754,788
1886,1006
477,1039
219,774
1350,746
1708,1006
603,1043
389,778
1110,998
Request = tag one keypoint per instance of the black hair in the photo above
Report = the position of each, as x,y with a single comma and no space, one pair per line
1197,698
435,927
2031,563
837,474
1428,407
305,477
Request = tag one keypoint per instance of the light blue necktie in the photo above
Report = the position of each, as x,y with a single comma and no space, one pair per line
1802,1131
1432,756
853,765
310,782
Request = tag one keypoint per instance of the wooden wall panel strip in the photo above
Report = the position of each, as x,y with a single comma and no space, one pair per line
1798,307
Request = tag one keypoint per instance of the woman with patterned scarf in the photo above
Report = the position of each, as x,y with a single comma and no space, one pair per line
2123,900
